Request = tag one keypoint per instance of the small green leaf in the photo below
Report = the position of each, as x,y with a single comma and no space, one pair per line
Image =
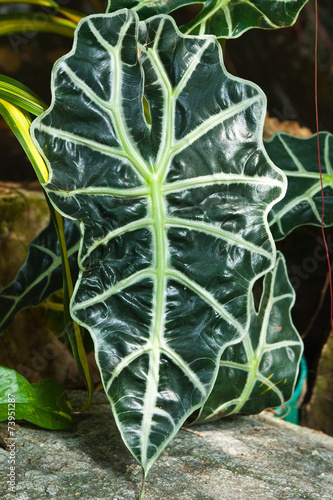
173,213
302,205
34,283
53,408
41,274
44,404
261,371
15,386
222,18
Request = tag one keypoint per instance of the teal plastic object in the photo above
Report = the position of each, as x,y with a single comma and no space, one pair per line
290,410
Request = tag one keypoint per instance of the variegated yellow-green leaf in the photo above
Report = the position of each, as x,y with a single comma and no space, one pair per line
302,205
21,23
18,94
36,281
69,13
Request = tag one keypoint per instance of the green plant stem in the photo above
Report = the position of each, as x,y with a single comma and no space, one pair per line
143,485
77,345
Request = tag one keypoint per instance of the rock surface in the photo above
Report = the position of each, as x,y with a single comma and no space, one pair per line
318,413
244,458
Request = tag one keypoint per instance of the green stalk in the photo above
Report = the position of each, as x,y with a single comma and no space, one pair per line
75,338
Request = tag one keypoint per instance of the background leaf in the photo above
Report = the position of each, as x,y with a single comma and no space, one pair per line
260,372
44,404
40,282
302,205
222,18
53,408
173,213
41,274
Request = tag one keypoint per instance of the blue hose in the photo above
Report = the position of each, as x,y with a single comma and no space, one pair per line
290,410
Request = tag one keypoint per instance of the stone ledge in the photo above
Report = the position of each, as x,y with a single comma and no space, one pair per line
243,458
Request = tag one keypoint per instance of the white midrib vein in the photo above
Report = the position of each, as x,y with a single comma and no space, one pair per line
161,255
158,324
116,99
157,217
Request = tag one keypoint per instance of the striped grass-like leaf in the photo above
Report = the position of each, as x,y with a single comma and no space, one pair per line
47,5
25,23
21,96
173,211
19,121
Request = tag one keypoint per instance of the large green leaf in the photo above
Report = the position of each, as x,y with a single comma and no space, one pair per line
173,214
260,372
302,205
41,274
44,404
223,18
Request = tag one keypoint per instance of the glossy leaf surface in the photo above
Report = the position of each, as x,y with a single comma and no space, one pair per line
302,205
173,212
222,18
41,274
44,404
260,372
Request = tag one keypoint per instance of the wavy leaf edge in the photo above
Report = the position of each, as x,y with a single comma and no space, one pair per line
281,183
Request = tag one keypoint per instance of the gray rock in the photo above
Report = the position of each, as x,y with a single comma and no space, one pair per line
241,458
